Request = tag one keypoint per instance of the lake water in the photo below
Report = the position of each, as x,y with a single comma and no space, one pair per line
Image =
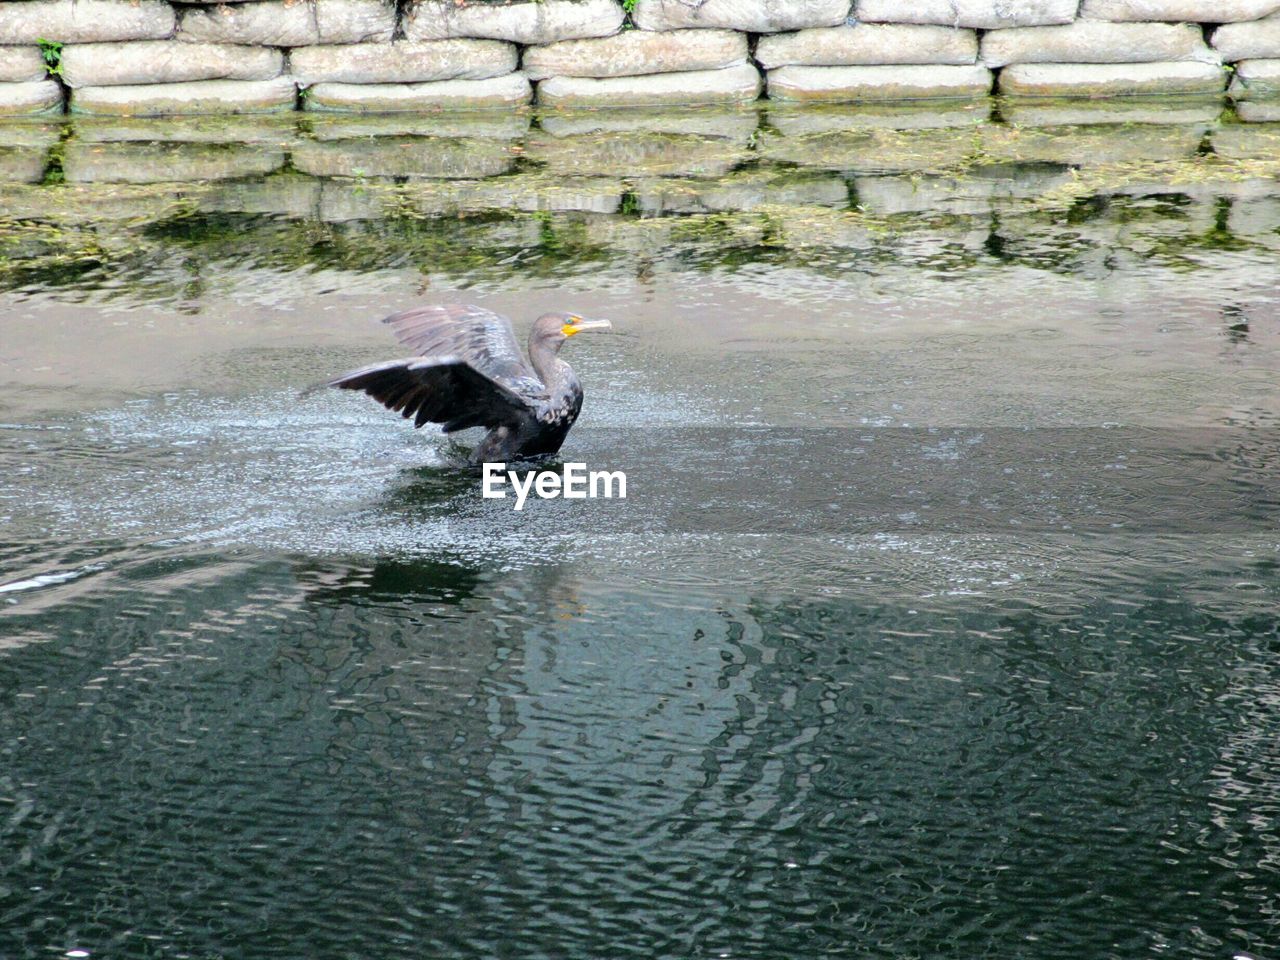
940,619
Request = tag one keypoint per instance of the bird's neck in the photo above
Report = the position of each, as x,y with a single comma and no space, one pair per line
553,371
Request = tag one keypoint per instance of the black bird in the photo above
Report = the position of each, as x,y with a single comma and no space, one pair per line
468,372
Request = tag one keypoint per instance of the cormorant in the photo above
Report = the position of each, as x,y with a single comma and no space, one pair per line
468,372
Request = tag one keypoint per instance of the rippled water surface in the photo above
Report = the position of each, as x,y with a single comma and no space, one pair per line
940,619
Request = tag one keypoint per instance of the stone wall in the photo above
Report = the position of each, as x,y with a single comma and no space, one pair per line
154,57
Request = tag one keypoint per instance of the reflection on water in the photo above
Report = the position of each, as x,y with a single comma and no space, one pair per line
415,758
112,205
274,682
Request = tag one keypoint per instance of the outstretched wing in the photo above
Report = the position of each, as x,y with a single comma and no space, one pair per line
443,389
480,337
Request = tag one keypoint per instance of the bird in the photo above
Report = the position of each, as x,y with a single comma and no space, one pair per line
467,371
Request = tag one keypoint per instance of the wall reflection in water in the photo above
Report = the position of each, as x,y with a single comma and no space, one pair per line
1060,186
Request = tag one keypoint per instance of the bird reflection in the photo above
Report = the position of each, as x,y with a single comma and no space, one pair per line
388,580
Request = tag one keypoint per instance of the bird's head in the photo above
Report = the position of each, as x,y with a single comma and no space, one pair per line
553,329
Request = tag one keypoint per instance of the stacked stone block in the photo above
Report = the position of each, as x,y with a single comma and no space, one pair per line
1254,48
24,84
1115,54
874,61
451,55
641,67
163,57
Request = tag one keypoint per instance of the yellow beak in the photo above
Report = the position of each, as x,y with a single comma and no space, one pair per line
579,325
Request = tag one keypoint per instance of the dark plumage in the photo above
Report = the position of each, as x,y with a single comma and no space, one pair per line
468,372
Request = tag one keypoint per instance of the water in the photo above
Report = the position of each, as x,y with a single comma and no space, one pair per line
940,619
